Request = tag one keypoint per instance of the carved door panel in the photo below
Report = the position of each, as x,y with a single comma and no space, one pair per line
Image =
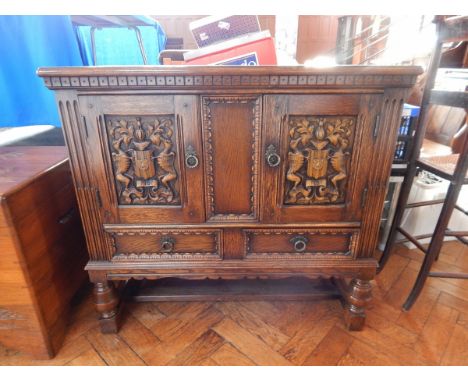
314,163
146,156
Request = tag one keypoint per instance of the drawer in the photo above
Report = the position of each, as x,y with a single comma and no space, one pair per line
133,244
300,243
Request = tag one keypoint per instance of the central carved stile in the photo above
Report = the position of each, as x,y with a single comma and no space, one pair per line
318,157
143,158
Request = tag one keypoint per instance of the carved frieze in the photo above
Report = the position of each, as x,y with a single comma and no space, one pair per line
201,81
144,159
319,151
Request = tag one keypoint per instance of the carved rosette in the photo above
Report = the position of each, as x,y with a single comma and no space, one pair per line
319,153
144,160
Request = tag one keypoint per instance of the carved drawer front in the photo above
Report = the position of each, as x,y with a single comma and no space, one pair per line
150,244
298,244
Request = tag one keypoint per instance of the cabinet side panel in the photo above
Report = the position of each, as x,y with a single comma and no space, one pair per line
383,147
87,193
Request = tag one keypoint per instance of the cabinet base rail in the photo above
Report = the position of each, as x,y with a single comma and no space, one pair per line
110,296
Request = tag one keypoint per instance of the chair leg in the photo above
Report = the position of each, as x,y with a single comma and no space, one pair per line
399,212
435,245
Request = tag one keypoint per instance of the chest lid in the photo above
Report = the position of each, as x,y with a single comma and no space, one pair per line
21,165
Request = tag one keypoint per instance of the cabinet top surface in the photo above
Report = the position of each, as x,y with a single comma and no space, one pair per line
212,69
19,165
192,77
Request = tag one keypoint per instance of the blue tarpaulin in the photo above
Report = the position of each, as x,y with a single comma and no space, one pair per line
26,43
29,42
119,46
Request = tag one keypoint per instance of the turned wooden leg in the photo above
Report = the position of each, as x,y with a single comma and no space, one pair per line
358,297
107,305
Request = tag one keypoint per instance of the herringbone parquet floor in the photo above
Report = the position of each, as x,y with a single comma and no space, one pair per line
434,332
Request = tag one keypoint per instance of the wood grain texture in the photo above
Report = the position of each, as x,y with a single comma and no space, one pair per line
282,113
309,335
42,247
331,349
183,110
199,350
263,243
158,150
249,344
113,349
437,332
228,355
245,318
154,245
231,127
88,358
362,354
197,333
457,351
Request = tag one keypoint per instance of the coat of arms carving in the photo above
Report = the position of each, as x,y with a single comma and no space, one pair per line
318,158
143,159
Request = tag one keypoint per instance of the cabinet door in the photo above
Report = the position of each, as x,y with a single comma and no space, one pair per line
231,141
145,152
316,150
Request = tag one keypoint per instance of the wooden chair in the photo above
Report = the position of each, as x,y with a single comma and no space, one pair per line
450,167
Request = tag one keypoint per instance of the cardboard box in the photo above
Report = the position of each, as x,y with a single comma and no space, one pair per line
214,29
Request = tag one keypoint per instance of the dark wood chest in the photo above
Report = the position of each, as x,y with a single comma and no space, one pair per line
42,248
231,172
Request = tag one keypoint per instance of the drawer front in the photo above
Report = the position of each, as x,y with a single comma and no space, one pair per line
153,244
299,244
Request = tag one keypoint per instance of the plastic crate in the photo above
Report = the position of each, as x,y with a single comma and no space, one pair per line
405,133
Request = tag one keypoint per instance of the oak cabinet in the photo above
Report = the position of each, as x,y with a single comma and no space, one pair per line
231,172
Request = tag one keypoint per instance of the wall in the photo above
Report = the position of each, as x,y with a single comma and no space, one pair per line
316,36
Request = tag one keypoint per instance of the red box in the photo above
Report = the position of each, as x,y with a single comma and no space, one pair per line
249,50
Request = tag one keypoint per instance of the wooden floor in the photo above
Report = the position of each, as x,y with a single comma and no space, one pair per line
434,332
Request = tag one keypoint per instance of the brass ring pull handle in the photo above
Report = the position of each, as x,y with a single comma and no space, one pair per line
191,159
299,243
272,157
167,244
